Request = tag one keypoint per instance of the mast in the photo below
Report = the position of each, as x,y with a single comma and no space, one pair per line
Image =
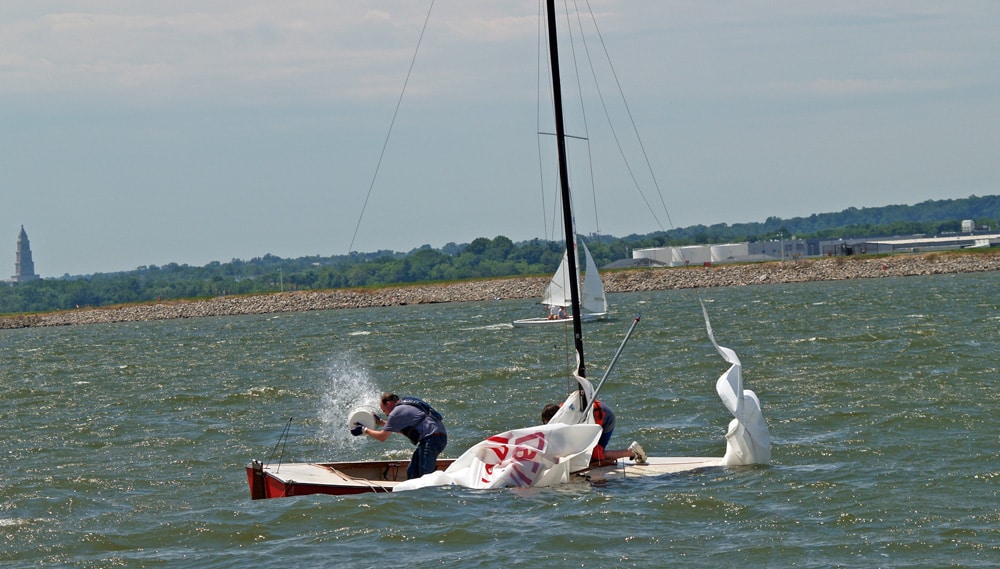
564,188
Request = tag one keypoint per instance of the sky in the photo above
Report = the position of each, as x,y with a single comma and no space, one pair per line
140,132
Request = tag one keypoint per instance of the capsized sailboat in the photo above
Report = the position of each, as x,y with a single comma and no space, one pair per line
555,453
593,299
561,450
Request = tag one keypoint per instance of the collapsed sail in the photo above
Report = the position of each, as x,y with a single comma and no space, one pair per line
748,440
543,455
578,409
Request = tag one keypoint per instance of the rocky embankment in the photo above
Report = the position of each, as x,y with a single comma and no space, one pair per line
825,269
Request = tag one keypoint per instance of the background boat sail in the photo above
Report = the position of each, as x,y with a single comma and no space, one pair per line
593,300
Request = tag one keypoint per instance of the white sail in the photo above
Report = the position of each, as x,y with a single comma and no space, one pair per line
557,293
577,409
748,440
543,455
592,297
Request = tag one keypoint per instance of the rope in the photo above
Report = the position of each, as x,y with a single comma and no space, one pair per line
282,439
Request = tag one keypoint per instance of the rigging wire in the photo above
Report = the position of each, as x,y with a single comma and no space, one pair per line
638,138
282,439
635,129
392,123
632,172
615,135
538,120
583,109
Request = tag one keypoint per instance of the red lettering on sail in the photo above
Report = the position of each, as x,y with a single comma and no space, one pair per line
521,463
501,450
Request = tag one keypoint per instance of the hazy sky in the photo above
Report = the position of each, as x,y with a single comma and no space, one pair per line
138,132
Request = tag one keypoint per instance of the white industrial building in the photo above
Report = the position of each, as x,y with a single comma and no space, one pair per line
788,249
697,254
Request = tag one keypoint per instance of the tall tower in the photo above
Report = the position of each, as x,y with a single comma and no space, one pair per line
24,267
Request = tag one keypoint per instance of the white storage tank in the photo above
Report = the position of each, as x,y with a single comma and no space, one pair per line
730,252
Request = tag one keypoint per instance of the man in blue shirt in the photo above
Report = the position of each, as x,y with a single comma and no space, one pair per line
417,421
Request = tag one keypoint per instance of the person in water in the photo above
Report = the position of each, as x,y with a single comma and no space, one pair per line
417,421
605,417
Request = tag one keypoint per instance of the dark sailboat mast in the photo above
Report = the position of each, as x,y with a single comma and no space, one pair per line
564,188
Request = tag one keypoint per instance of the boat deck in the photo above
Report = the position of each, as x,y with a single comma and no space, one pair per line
303,478
654,466
300,479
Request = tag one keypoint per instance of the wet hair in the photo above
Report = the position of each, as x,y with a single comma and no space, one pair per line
387,397
548,412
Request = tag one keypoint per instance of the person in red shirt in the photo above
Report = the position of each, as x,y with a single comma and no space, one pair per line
605,417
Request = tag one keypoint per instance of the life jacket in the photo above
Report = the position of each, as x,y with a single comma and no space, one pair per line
598,453
413,433
422,405
598,413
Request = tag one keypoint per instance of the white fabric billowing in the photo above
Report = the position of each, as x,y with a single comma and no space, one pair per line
534,456
748,440
575,410
578,409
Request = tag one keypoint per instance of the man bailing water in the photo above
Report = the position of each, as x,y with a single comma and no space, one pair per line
417,421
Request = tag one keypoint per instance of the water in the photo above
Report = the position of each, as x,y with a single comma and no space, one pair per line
124,444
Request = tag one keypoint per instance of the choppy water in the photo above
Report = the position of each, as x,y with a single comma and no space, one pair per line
124,445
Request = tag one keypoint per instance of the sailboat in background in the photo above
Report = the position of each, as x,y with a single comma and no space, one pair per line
593,299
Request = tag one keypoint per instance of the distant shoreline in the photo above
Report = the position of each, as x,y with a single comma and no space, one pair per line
511,288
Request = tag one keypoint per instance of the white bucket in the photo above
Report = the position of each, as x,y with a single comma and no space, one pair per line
363,416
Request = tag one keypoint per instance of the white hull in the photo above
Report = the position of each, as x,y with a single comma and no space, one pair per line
654,466
543,321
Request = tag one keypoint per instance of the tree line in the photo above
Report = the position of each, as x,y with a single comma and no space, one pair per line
482,258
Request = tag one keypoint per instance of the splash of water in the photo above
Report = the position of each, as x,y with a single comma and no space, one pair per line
348,387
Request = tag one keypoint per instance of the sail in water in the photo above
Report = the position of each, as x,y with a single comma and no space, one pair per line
748,440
